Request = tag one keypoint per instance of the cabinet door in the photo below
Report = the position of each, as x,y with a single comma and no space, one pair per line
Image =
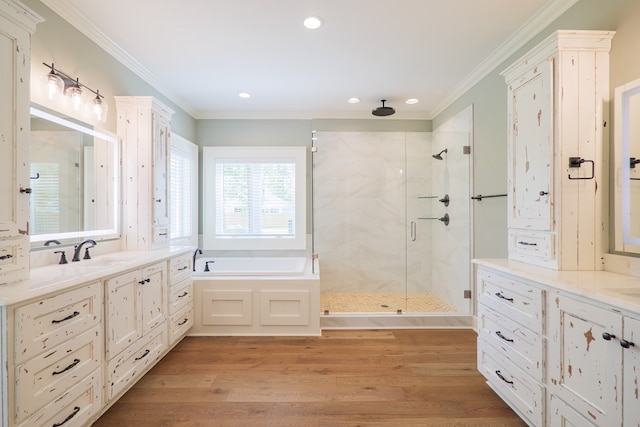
160,169
631,378
585,368
14,128
124,315
530,118
154,296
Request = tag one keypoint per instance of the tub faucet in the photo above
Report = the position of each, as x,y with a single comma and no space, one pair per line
195,255
78,249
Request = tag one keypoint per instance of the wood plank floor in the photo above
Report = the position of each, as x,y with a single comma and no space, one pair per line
344,378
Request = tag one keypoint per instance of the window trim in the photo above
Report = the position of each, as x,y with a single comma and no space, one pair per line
209,238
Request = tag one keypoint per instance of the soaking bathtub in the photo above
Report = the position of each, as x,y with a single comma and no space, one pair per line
254,296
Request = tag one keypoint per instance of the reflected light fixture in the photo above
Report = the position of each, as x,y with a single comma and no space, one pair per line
60,86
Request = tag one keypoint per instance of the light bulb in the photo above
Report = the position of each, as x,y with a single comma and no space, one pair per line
75,93
54,85
100,108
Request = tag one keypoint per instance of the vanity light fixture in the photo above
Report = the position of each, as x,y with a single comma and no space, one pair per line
59,85
313,22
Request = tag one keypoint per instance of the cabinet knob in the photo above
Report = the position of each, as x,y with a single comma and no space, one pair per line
607,336
544,193
626,344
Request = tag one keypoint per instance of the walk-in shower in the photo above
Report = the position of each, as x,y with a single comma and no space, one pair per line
391,225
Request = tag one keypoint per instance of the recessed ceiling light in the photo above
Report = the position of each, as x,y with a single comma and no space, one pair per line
244,95
313,22
353,100
412,101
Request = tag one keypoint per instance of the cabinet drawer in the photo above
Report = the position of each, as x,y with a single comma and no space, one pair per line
513,299
524,244
44,324
75,407
134,361
180,295
44,378
180,268
522,346
524,395
180,323
14,256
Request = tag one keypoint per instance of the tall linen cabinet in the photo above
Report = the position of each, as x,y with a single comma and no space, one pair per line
557,101
558,95
144,125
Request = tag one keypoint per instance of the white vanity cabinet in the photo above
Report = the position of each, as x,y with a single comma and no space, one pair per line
17,23
511,342
557,97
56,363
136,311
144,126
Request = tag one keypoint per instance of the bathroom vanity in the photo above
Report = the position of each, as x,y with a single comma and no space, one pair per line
560,347
76,337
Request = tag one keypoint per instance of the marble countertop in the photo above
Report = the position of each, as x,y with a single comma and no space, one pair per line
614,289
54,278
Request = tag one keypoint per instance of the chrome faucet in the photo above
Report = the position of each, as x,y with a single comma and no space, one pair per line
78,249
195,255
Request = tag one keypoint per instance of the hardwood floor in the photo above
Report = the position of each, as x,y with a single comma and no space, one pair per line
344,378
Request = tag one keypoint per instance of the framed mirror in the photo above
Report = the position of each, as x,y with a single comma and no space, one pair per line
74,180
627,167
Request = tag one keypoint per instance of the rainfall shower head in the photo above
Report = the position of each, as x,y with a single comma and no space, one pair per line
383,110
439,155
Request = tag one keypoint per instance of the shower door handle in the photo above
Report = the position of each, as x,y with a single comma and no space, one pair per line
412,230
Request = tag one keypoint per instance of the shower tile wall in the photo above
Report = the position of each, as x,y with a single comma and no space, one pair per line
360,218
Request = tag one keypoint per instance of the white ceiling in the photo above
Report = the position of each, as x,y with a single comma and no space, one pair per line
202,53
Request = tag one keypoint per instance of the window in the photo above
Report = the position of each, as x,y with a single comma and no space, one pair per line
254,197
183,190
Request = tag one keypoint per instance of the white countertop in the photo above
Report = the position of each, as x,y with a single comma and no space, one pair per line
615,289
58,277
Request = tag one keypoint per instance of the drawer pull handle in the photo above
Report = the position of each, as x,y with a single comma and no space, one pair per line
143,281
498,333
76,409
607,336
74,363
523,243
146,352
499,374
499,295
7,256
626,344
183,322
183,268
183,295
71,316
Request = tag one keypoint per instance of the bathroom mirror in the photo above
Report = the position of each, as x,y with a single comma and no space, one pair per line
627,167
74,180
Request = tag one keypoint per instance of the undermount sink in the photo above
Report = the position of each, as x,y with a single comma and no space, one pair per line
97,262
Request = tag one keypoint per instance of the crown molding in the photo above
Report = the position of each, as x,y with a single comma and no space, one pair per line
552,11
77,19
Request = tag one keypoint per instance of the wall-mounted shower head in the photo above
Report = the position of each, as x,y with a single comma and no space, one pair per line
439,155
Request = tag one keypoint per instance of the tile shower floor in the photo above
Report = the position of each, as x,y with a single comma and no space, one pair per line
382,303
